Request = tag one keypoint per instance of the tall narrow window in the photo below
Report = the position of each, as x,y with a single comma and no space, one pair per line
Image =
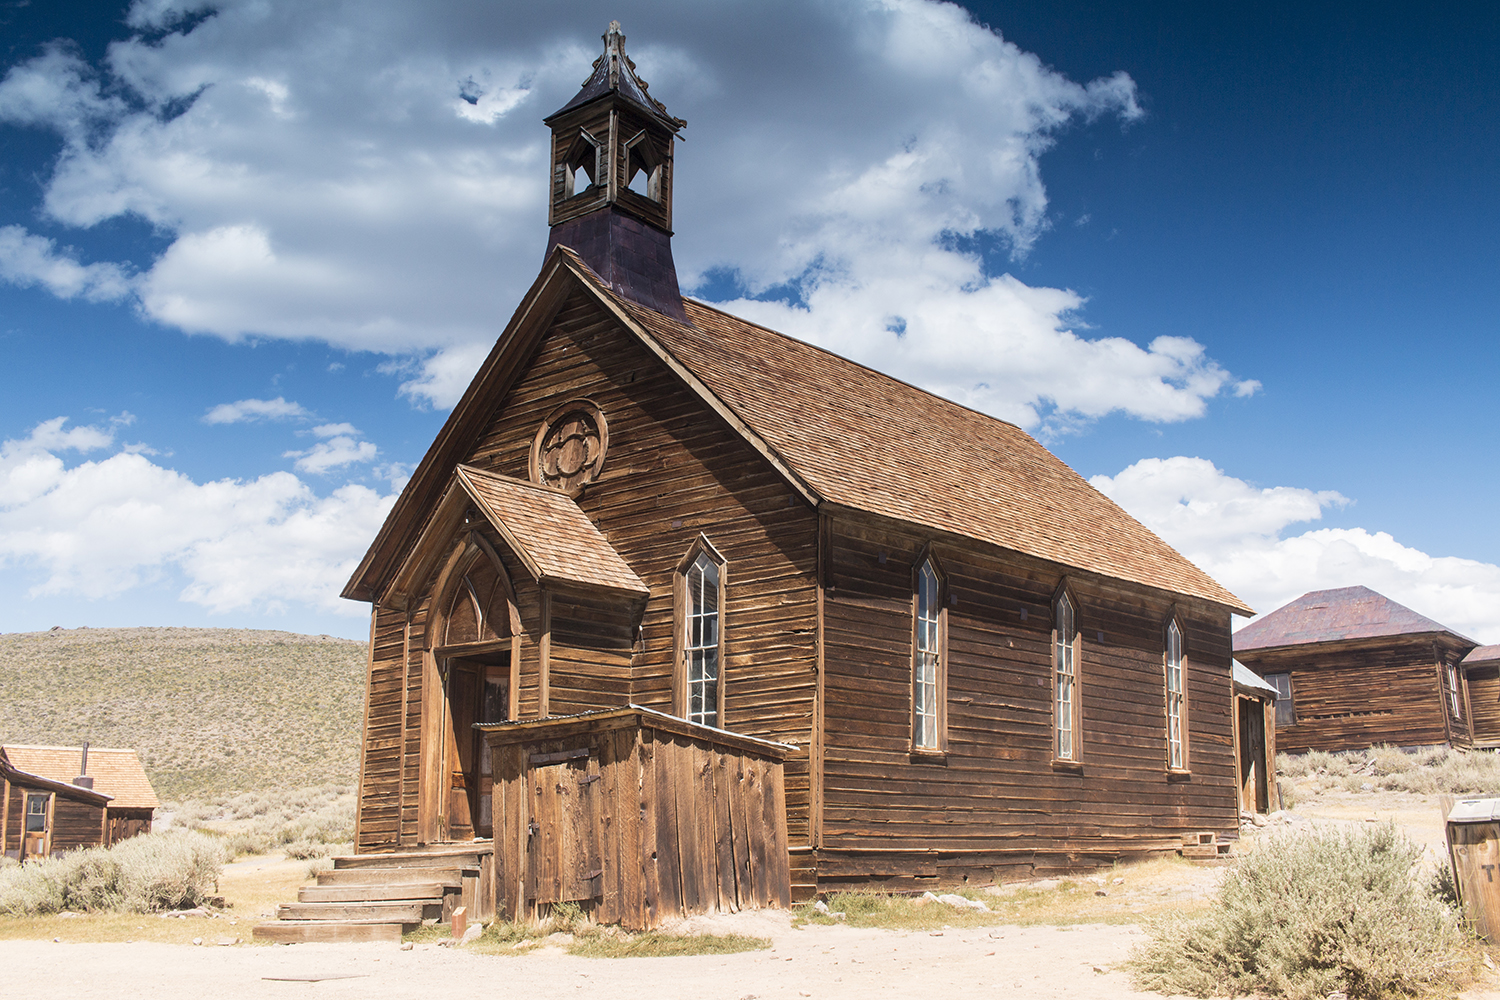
1286,711
1065,681
1176,753
700,623
703,641
927,661
1455,705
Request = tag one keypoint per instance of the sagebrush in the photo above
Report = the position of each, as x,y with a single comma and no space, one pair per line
1310,914
155,871
302,823
1424,771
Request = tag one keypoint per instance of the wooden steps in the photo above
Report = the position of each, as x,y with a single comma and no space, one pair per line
1205,846
377,897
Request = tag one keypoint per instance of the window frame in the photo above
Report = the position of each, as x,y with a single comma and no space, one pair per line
1183,764
1455,695
937,633
1290,699
682,646
46,800
1070,649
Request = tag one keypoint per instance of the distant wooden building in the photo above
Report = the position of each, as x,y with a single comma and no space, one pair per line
1353,668
914,645
1481,669
55,799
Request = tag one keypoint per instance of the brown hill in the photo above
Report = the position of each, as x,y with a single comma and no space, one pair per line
210,710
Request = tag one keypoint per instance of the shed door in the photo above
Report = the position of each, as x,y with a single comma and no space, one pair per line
563,861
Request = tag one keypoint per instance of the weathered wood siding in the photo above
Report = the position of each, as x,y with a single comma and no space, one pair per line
380,788
996,798
636,823
674,469
1484,702
75,824
122,824
1350,696
590,651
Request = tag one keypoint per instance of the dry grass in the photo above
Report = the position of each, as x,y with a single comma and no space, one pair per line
1384,768
1132,892
251,891
569,928
303,823
210,710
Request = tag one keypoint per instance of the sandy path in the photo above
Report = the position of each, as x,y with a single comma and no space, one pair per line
838,961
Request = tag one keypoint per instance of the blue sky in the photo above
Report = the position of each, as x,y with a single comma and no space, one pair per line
1237,265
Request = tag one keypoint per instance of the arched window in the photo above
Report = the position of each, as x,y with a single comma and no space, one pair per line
1176,700
928,655
1066,744
700,630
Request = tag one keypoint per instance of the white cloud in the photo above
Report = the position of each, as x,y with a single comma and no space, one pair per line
250,410
340,447
1235,531
27,260
102,528
386,193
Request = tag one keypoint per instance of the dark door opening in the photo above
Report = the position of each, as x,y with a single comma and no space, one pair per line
478,690
1255,788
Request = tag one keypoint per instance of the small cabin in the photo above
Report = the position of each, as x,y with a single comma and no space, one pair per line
920,648
56,799
1353,668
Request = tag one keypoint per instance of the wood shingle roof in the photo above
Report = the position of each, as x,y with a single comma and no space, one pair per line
841,434
549,533
116,773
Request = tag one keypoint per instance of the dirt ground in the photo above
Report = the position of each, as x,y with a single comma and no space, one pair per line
93,958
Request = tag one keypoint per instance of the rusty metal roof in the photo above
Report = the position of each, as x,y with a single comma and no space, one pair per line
1486,655
549,533
864,440
116,773
1334,615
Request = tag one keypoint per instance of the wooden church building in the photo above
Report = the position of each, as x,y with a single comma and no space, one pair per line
678,612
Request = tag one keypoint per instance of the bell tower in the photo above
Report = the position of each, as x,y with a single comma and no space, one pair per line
611,190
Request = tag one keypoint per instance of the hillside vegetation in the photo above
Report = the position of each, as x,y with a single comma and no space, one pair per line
211,711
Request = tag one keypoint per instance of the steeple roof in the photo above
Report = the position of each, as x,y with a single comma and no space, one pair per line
614,72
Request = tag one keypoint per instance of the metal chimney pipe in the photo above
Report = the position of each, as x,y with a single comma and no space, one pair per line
83,780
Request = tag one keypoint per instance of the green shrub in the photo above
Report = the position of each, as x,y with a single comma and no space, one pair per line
1310,914
158,871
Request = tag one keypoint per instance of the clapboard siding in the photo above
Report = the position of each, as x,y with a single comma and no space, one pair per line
996,789
674,470
1352,695
1484,699
380,789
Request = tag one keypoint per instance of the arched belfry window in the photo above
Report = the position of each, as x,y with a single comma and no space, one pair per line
1066,742
643,168
929,654
700,635
1176,700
